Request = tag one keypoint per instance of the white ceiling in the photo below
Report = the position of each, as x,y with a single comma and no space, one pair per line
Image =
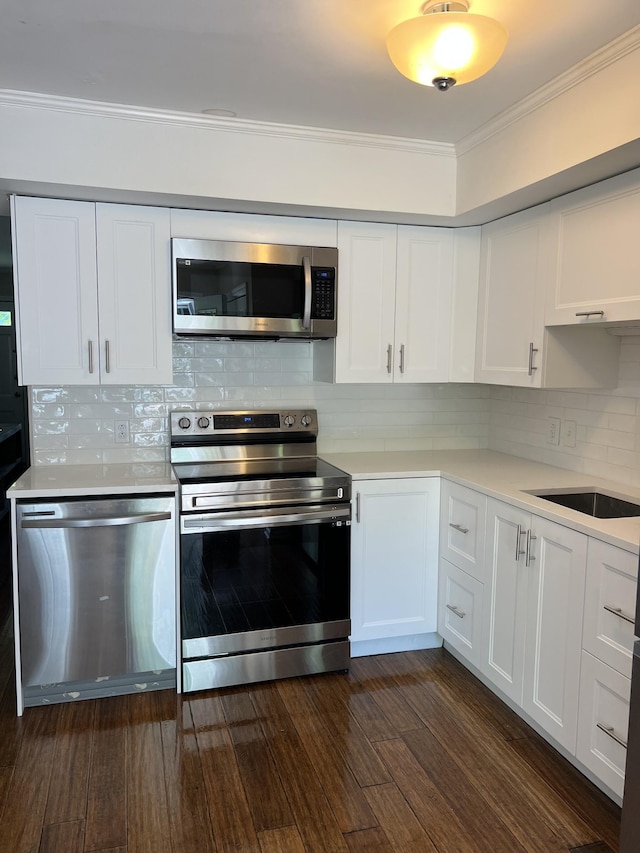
319,63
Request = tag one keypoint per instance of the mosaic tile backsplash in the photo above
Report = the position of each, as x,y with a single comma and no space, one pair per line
76,424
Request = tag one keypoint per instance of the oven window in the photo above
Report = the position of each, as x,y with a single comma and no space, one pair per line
270,577
236,289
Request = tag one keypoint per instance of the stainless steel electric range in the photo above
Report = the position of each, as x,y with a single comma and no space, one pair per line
265,548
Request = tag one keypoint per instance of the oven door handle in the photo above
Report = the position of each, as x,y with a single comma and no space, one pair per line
273,518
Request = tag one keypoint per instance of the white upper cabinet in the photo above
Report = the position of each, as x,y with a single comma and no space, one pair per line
395,292
93,292
54,251
253,228
511,299
134,294
513,345
595,269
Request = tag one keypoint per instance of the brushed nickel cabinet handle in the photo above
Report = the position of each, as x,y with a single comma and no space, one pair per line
529,558
532,351
389,354
617,611
519,534
609,730
401,358
459,527
357,507
90,356
107,361
590,314
460,613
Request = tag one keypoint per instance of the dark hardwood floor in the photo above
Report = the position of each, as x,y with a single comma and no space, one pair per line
407,752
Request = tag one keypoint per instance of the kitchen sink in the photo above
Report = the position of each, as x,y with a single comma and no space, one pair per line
596,504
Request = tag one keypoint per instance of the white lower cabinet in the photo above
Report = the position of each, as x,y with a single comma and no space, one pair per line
603,721
532,629
394,557
460,611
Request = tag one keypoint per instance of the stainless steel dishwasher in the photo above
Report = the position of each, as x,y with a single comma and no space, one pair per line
96,595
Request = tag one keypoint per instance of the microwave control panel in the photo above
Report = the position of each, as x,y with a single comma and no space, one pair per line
323,303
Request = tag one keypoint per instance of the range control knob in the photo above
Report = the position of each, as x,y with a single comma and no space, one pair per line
203,423
289,420
305,420
184,423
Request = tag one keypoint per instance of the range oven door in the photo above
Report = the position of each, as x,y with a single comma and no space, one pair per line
225,289
255,581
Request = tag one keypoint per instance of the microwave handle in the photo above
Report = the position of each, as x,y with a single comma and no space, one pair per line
306,318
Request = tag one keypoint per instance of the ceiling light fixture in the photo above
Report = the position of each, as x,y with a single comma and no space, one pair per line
446,45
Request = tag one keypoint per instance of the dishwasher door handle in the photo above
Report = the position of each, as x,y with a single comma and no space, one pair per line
104,521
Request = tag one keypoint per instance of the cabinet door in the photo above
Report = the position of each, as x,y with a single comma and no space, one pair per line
511,299
394,570
463,515
609,605
253,228
503,634
424,292
56,290
366,302
460,611
134,287
596,265
603,721
555,603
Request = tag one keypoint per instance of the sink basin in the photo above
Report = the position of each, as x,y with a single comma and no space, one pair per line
596,504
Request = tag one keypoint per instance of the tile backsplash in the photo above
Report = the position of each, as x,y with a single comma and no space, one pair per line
76,424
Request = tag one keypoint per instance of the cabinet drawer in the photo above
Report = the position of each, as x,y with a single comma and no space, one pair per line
462,524
603,721
610,600
460,611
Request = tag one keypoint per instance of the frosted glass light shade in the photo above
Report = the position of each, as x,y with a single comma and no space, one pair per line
455,45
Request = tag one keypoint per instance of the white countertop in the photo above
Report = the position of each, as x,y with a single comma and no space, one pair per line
60,481
503,477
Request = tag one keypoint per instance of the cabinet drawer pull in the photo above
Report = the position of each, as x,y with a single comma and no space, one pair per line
460,613
401,358
532,351
617,611
90,356
357,507
519,534
590,314
459,527
608,730
389,354
107,359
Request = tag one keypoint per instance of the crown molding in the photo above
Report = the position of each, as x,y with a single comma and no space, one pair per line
593,64
99,109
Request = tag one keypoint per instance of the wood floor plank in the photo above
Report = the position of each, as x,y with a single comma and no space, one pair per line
318,827
286,839
231,821
385,694
456,824
67,799
530,809
106,817
147,809
327,756
331,697
587,801
26,800
397,820
191,830
11,726
369,841
263,788
67,837
6,776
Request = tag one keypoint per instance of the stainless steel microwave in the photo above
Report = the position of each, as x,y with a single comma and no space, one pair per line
240,290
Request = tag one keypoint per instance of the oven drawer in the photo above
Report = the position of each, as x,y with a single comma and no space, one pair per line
265,666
